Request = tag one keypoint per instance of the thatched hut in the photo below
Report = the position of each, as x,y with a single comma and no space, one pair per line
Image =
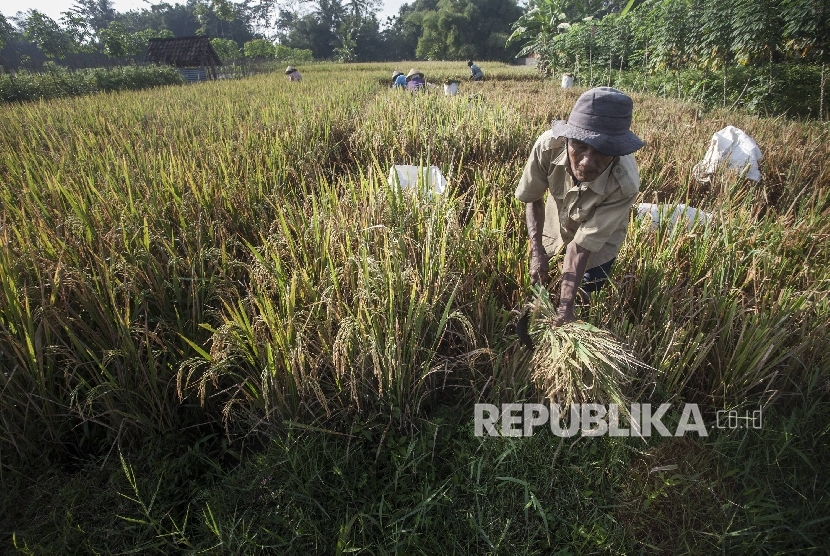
193,56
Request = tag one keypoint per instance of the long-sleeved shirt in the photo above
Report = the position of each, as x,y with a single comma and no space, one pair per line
415,83
475,73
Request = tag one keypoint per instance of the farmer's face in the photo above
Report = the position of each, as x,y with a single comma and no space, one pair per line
587,163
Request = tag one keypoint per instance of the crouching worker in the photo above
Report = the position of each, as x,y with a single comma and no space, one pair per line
475,72
579,184
398,80
292,74
415,81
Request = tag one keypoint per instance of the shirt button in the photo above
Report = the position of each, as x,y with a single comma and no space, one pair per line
617,170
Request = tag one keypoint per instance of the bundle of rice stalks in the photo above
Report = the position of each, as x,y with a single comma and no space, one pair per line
578,362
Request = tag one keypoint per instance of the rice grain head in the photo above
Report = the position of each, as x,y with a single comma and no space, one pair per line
578,362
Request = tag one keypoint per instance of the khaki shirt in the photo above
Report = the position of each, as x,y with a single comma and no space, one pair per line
594,215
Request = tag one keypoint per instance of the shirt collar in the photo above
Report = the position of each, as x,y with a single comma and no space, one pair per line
599,185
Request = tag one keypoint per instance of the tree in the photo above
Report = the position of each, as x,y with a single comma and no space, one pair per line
6,31
642,20
226,49
97,13
671,49
542,29
316,31
807,25
759,29
715,46
538,26
80,33
401,33
460,29
258,48
47,35
214,17
119,42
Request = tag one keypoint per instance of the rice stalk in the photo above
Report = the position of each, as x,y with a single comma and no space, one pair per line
578,362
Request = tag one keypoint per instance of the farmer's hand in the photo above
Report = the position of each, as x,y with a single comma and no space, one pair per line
539,269
564,316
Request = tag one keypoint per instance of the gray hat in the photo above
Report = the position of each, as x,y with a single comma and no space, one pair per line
601,117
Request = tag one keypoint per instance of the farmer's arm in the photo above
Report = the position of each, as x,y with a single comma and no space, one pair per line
531,190
573,268
591,236
539,268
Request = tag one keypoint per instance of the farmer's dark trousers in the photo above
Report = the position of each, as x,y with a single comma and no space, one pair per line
595,278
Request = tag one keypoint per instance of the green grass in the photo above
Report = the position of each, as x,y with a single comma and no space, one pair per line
221,330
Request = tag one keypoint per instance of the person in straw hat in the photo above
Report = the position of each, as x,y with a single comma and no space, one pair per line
292,74
398,80
415,80
579,184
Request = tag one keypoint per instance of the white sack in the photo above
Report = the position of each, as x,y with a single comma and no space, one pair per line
734,149
451,88
567,80
674,213
429,179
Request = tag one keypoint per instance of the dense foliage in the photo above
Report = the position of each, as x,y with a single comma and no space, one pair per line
58,82
675,36
329,29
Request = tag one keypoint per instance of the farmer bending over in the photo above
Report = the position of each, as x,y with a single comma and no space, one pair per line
292,74
579,185
415,81
475,72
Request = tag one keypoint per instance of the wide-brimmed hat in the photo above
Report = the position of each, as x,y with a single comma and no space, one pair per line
396,74
601,117
290,69
412,73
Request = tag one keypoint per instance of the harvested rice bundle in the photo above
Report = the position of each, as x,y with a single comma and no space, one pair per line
578,362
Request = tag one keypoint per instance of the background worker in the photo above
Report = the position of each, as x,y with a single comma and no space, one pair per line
398,80
579,185
292,74
475,72
415,80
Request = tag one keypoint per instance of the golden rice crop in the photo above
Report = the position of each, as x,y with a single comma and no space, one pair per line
577,362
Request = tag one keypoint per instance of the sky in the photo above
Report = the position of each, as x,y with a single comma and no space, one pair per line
54,8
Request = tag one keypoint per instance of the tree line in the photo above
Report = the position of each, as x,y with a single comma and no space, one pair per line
92,31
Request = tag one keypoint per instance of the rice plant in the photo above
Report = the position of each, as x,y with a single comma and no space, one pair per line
577,362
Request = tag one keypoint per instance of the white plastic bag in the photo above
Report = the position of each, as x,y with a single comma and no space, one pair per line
451,88
674,213
428,178
567,80
735,150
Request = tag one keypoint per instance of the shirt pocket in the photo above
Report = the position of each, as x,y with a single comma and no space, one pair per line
583,209
558,182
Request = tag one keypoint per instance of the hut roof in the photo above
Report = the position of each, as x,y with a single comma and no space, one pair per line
182,52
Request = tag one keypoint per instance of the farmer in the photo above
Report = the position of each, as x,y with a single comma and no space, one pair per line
475,72
579,184
292,74
415,80
398,80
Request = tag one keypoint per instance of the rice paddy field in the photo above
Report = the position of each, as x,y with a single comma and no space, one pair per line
223,332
